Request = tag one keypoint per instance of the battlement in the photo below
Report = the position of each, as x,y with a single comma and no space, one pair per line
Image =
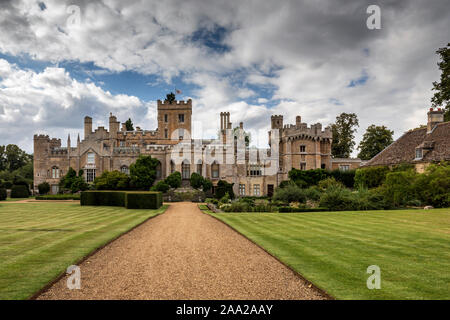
315,130
154,147
176,103
41,137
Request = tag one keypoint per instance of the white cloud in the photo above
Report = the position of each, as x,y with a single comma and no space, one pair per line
54,103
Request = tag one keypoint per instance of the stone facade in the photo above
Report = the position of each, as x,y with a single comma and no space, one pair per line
300,147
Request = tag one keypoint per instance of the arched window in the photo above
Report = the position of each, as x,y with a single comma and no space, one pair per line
199,167
55,172
125,169
91,158
172,166
158,170
215,170
185,170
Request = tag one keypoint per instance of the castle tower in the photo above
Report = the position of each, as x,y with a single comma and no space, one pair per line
41,148
276,122
174,116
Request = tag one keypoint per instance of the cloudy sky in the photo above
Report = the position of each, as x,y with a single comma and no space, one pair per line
255,58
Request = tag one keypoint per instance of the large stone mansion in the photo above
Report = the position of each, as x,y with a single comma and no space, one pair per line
115,148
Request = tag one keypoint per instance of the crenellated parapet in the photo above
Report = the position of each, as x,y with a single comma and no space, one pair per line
126,150
180,103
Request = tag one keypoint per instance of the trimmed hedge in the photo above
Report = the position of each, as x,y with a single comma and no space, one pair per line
59,197
19,191
103,198
128,199
291,209
3,194
143,200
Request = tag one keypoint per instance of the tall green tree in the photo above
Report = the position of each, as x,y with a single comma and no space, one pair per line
442,95
344,134
129,125
374,141
143,172
13,158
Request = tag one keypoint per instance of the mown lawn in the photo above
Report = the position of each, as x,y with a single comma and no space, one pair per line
38,241
334,249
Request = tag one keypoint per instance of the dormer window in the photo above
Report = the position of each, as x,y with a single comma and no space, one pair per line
419,153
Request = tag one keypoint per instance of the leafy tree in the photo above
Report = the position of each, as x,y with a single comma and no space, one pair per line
112,180
289,193
442,95
343,131
73,182
143,172
13,158
170,97
174,179
374,141
129,125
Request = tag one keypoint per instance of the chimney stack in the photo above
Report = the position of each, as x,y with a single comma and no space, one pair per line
434,117
87,126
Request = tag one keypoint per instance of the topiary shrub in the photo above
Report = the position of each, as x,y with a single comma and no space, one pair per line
3,194
223,188
174,180
19,191
161,186
143,200
196,180
103,198
43,188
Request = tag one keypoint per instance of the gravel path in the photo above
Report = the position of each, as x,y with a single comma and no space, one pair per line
183,254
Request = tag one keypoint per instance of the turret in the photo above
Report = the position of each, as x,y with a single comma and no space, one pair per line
276,121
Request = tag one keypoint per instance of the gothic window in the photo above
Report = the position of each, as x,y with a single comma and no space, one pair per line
125,169
215,170
172,166
91,158
55,172
199,167
181,117
344,167
166,118
185,170
303,166
90,175
302,148
166,133
158,170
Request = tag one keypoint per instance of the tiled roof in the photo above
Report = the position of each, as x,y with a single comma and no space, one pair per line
436,147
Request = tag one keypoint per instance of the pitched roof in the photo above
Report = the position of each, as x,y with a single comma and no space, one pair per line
436,147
